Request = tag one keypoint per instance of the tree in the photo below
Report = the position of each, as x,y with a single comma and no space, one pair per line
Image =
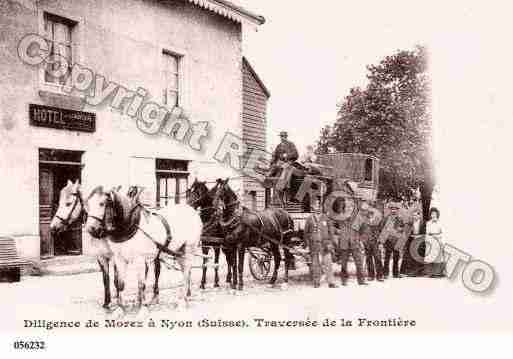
391,119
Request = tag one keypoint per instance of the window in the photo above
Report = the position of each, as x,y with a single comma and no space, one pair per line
251,200
58,33
368,169
172,181
171,75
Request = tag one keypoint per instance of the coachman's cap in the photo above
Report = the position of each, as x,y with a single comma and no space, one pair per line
283,134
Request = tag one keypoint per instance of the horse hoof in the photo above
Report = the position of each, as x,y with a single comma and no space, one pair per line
180,305
240,287
117,313
216,285
143,314
148,302
155,300
202,286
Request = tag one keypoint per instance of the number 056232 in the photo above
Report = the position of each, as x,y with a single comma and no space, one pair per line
29,345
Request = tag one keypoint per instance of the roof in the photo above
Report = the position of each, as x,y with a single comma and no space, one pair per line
230,10
257,78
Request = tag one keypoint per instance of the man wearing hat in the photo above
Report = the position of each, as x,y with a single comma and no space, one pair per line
348,238
319,238
369,225
286,151
284,154
392,238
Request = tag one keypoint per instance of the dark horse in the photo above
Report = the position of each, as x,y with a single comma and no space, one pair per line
244,228
200,197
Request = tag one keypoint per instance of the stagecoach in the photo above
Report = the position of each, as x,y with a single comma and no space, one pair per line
356,174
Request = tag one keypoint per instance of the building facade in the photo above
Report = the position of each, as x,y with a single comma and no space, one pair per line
145,97
254,128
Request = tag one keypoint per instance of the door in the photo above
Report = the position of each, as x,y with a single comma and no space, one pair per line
46,210
56,167
68,242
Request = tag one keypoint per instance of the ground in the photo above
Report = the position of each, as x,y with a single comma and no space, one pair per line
78,297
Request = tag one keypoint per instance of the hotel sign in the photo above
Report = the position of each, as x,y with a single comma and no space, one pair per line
61,119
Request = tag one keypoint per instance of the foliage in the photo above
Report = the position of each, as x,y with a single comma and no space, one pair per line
390,119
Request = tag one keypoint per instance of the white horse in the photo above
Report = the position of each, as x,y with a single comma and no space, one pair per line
138,236
71,209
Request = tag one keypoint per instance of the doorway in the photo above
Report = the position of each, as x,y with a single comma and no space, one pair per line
56,167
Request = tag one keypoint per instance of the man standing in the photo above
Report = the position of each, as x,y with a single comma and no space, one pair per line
392,238
349,244
319,238
371,218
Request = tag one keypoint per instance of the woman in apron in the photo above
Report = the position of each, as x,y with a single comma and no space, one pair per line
435,260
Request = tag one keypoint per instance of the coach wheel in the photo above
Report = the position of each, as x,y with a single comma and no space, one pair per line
259,263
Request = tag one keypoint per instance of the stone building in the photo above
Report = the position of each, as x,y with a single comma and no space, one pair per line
144,96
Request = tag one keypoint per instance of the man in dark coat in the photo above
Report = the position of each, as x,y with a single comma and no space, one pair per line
283,157
392,238
348,243
286,151
319,238
368,236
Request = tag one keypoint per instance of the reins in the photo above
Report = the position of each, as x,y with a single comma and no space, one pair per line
232,223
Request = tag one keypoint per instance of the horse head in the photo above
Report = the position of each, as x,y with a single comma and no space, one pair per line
105,211
71,208
198,195
225,199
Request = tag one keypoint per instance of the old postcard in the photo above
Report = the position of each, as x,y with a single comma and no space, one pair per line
201,167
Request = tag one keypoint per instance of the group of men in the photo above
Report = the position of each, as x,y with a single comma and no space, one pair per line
327,238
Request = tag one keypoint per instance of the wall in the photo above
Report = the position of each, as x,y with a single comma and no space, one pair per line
254,120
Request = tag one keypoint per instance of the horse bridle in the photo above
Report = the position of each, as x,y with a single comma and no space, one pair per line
232,222
197,199
102,220
78,199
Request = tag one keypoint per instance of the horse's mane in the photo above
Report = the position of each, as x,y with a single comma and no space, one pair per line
212,192
229,193
123,206
96,190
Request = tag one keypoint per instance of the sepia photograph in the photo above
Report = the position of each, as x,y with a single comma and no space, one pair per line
200,167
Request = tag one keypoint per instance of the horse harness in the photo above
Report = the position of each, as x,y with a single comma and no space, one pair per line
162,248
120,237
236,220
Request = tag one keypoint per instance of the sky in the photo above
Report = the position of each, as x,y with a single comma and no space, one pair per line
310,56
